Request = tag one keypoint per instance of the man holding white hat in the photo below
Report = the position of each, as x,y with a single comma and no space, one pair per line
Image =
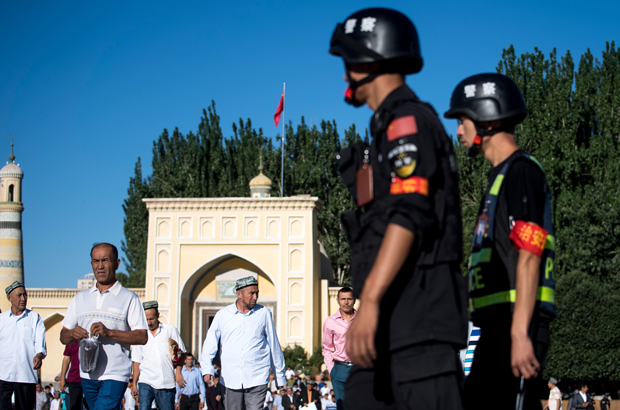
249,349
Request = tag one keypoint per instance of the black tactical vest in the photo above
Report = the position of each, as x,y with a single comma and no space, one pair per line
365,228
491,282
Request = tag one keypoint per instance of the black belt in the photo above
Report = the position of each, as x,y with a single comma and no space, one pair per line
343,363
191,396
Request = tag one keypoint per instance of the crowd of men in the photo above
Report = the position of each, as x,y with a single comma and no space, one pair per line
399,348
119,355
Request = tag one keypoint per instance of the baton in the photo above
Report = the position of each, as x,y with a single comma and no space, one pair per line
521,394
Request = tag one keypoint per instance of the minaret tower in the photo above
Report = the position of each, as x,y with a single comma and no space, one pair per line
11,208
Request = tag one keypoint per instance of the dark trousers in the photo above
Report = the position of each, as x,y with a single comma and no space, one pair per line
417,377
25,395
339,375
189,402
75,395
491,384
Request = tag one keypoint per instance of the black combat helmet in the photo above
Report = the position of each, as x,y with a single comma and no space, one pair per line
378,35
488,97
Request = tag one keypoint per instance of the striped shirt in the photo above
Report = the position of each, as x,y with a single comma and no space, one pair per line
468,355
117,308
335,331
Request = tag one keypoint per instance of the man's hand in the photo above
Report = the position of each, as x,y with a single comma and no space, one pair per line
176,406
361,336
37,361
201,405
178,376
218,398
79,333
63,383
134,391
522,359
208,378
99,329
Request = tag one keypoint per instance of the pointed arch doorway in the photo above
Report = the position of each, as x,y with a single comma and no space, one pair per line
212,288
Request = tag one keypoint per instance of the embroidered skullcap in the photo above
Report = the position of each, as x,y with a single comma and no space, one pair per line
245,282
151,304
553,380
12,286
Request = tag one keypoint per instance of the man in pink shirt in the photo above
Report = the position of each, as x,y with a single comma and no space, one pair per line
335,331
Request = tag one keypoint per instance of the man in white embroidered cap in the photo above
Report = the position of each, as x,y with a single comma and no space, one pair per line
249,349
22,349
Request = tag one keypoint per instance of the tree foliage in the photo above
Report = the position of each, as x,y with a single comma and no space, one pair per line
295,357
206,164
573,129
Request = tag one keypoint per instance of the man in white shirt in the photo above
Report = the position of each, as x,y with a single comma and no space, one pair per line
114,314
56,402
22,350
289,373
249,349
154,372
129,402
555,396
269,398
326,401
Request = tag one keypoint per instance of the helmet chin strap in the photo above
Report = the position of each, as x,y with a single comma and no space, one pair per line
474,150
349,93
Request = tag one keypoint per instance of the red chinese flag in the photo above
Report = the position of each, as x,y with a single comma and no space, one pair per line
276,116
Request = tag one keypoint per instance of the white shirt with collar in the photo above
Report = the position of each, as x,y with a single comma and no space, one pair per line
583,396
117,308
249,347
21,339
156,367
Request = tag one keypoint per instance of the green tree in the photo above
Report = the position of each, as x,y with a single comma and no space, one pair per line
295,357
205,164
135,228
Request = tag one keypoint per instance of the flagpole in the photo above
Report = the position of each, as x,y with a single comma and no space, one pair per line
282,170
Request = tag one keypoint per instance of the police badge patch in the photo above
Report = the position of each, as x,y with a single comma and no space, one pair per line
403,159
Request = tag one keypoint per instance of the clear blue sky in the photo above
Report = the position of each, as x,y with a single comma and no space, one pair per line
85,87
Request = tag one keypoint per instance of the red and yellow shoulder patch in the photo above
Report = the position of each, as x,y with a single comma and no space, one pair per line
409,186
528,236
401,127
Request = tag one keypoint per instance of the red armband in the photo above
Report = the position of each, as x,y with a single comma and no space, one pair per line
528,236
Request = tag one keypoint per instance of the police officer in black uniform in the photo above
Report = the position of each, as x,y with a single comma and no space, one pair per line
511,281
406,234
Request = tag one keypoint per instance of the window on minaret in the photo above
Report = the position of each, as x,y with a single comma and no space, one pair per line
10,193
